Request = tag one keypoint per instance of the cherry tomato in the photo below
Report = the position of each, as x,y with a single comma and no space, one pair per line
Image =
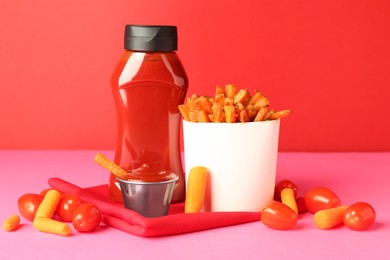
279,216
284,184
86,217
28,205
301,205
321,198
67,205
359,216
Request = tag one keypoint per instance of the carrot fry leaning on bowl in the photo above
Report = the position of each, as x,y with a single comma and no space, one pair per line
110,165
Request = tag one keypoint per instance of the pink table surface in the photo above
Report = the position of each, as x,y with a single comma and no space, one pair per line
353,176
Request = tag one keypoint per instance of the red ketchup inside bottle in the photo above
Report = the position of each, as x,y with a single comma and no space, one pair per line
148,84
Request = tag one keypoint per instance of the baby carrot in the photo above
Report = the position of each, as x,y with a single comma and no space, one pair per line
48,205
328,218
11,223
52,226
288,198
196,188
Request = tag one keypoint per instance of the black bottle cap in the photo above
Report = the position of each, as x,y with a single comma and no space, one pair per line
150,38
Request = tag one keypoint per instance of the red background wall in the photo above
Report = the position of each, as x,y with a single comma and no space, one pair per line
328,61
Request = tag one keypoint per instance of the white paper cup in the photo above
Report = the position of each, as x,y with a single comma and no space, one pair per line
241,159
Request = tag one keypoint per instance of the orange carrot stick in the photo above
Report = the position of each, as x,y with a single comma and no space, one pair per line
288,198
196,188
51,226
48,205
328,218
11,223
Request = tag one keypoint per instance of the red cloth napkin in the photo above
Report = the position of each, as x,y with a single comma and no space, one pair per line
176,222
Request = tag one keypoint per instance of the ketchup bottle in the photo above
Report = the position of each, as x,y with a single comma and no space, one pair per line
148,84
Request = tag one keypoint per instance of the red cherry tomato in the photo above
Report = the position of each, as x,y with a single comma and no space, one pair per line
321,198
67,205
279,216
284,184
359,216
28,205
86,217
301,205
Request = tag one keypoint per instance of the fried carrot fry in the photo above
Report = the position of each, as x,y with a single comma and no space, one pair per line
259,100
203,103
261,114
219,91
228,101
215,107
279,114
218,114
262,102
11,223
202,116
220,99
239,106
110,165
252,112
196,188
230,114
256,97
243,116
193,115
48,205
329,218
242,97
269,114
52,226
185,112
190,103
231,90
